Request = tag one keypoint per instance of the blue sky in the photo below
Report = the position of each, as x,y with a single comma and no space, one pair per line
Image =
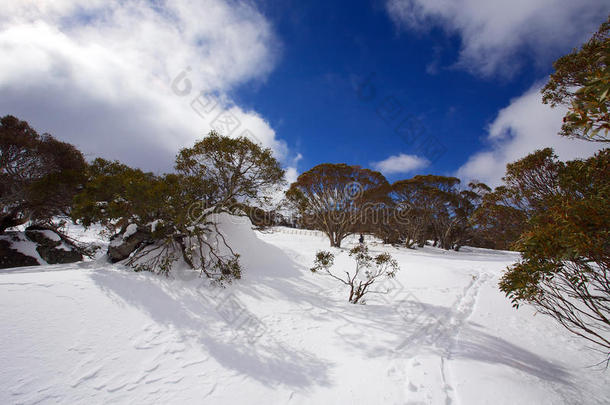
349,77
461,76
320,98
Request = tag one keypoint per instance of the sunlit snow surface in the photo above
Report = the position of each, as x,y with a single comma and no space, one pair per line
95,332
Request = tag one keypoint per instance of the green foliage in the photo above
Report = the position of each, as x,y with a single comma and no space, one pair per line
116,195
502,215
497,223
230,169
323,260
565,265
218,174
39,175
531,180
582,82
433,207
368,270
334,197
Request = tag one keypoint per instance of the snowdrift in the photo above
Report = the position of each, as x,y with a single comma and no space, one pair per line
258,258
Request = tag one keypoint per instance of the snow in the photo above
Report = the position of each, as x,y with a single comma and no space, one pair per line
130,230
49,235
154,224
93,332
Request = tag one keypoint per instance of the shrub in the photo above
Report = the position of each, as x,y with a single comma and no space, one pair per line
368,270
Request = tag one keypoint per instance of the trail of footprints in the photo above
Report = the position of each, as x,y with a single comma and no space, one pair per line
424,372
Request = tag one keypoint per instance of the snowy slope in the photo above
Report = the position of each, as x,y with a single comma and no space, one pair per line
94,332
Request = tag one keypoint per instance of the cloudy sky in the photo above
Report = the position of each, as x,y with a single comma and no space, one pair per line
403,86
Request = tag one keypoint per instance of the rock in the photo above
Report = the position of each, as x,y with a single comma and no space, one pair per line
126,242
43,236
52,248
10,257
55,256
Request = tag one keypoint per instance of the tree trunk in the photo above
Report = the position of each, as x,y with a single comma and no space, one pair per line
185,256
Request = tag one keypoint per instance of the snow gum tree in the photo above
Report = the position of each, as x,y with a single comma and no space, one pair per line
433,207
565,267
504,214
116,195
334,198
162,219
235,170
39,175
581,81
497,223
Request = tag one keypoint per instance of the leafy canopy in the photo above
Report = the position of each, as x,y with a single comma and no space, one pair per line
582,82
565,267
39,175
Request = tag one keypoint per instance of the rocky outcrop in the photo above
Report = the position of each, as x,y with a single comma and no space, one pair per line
126,242
52,247
37,245
10,257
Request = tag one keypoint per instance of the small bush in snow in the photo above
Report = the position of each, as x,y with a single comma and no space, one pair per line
368,270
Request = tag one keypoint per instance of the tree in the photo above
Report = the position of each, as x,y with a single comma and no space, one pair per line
531,180
465,204
234,170
503,215
379,215
175,216
565,267
368,270
334,198
410,212
582,82
116,195
497,224
433,207
438,197
39,175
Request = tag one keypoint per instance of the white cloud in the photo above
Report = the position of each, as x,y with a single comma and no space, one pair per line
400,164
494,31
291,171
522,127
291,175
99,73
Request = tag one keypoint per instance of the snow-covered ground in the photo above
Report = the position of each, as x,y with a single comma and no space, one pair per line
95,333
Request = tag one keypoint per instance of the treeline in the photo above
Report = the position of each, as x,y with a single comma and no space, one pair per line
341,200
45,181
154,220
555,213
